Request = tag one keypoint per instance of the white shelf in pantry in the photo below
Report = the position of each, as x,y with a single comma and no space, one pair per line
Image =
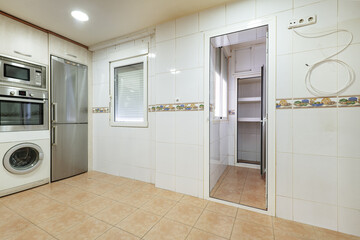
249,99
249,119
249,80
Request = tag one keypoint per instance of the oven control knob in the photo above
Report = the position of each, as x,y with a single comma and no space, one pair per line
31,94
12,93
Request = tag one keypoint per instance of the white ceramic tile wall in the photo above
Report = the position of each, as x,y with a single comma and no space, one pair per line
320,138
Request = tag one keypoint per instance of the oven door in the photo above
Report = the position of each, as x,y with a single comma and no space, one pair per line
20,114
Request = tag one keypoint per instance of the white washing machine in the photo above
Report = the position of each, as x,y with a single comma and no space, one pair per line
24,164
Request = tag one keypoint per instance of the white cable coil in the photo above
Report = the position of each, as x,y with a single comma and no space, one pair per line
351,74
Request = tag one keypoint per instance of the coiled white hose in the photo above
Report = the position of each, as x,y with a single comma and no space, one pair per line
351,74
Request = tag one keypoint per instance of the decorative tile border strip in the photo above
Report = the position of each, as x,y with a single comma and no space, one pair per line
176,107
100,110
320,102
232,112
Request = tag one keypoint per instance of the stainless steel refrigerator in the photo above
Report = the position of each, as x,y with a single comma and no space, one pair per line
69,123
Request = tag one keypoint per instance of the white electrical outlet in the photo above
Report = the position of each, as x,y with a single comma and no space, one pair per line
301,22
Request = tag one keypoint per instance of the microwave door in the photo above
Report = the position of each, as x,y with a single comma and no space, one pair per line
64,91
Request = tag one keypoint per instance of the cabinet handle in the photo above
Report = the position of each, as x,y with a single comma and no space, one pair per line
71,55
24,54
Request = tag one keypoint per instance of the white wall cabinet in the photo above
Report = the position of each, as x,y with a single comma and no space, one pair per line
250,59
22,41
67,50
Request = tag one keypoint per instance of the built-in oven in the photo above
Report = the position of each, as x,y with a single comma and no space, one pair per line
20,73
23,109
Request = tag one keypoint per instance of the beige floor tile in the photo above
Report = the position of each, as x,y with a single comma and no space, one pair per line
245,230
31,233
118,193
197,234
95,205
62,222
91,228
96,187
139,223
218,224
137,199
197,202
170,195
42,213
168,230
115,213
151,189
54,190
222,209
184,213
21,199
13,224
249,216
284,228
225,194
76,197
325,234
117,234
159,205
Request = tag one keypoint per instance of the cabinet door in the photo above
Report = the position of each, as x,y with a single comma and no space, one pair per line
243,62
67,50
259,56
24,42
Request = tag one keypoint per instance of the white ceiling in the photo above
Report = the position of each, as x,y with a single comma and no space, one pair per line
108,18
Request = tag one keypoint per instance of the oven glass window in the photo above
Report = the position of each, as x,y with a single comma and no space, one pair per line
11,71
21,113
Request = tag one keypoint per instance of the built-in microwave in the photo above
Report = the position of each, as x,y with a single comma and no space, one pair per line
20,73
23,109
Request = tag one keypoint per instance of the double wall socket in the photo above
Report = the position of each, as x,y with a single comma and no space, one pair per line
300,22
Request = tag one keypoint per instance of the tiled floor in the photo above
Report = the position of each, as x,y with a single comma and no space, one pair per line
101,206
241,185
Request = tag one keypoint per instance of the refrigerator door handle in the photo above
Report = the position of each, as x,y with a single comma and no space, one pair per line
54,136
54,112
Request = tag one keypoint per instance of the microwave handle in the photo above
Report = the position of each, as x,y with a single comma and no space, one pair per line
23,54
54,112
22,100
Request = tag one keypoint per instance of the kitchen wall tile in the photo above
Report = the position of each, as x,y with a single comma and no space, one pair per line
100,72
284,130
348,18
316,214
315,131
284,77
187,85
187,25
349,56
201,128
264,7
284,35
186,127
349,130
165,127
240,11
165,158
143,174
126,170
315,178
284,208
186,46
151,90
165,88
300,3
187,186
324,77
325,12
349,221
165,56
349,182
187,160
284,174
165,181
165,31
212,18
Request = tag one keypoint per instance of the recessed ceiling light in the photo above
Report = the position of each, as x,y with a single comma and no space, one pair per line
81,16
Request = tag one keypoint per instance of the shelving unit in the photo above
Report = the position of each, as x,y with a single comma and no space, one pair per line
249,99
249,119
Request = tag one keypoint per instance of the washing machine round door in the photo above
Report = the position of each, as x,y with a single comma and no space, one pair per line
23,158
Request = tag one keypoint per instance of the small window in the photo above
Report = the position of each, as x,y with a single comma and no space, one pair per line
129,92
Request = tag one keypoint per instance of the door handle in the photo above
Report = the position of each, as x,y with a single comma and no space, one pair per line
54,112
54,136
23,54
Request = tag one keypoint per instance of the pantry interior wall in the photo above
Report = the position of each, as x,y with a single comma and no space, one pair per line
315,146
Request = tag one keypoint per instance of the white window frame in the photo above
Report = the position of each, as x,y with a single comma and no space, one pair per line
120,63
